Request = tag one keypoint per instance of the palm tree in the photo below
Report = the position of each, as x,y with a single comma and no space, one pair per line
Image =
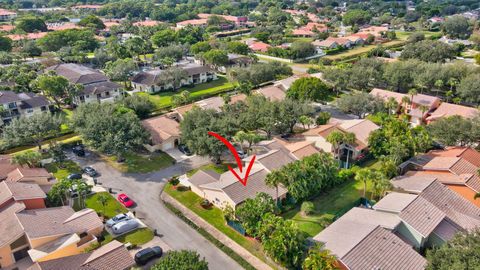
423,109
240,137
319,258
380,184
273,179
477,195
412,92
405,101
305,120
438,84
349,138
452,82
392,105
335,138
103,200
364,175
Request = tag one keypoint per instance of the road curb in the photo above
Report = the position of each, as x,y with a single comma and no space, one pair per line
221,237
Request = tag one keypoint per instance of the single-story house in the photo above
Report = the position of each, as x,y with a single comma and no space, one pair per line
360,127
30,194
273,93
259,46
447,109
45,234
234,60
194,22
38,176
164,131
113,255
151,80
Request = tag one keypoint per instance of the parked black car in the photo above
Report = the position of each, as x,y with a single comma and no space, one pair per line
79,150
145,255
184,149
90,171
74,176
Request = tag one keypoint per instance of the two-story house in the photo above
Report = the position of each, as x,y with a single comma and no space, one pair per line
14,105
151,81
96,86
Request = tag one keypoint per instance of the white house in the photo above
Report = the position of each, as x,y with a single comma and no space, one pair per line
150,80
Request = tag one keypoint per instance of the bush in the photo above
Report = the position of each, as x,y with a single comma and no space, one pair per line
205,204
308,208
323,118
174,181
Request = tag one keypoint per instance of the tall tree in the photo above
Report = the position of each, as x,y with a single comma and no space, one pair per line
181,260
53,86
34,129
274,179
309,88
109,128
319,258
32,24
120,70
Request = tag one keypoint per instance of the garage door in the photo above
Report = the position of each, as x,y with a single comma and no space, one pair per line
167,146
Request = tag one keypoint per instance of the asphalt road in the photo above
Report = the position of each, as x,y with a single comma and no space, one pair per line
145,190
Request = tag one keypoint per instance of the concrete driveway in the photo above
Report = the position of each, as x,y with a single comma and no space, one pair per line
145,190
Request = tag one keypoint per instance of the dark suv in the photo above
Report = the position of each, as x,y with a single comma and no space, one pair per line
79,150
184,149
143,256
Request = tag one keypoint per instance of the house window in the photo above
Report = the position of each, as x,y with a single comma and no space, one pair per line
83,234
107,94
30,111
12,105
43,108
88,96
99,95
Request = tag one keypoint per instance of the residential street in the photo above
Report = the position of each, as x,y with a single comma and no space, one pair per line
145,190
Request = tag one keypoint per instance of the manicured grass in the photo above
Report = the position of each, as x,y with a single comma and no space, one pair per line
141,163
163,100
137,237
327,205
361,50
112,208
61,172
62,139
214,216
220,168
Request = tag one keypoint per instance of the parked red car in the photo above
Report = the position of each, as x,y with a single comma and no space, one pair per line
125,200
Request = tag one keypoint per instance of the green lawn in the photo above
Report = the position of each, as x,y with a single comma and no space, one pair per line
220,168
62,139
362,49
61,172
163,100
141,163
112,208
338,200
137,237
214,216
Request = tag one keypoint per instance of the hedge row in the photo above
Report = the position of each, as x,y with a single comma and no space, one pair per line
210,238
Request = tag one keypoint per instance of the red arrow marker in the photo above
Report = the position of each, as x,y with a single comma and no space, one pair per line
237,158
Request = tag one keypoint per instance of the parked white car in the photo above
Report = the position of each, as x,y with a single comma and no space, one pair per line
125,226
117,219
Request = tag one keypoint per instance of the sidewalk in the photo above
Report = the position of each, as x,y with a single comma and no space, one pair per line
254,261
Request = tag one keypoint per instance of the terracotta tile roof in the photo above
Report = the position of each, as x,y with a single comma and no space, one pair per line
7,27
57,221
20,191
29,36
302,149
259,46
193,22
6,166
423,216
113,255
87,6
161,128
302,32
447,109
9,223
237,97
467,153
147,23
361,128
385,94
426,100
4,12
273,93
21,172
382,249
